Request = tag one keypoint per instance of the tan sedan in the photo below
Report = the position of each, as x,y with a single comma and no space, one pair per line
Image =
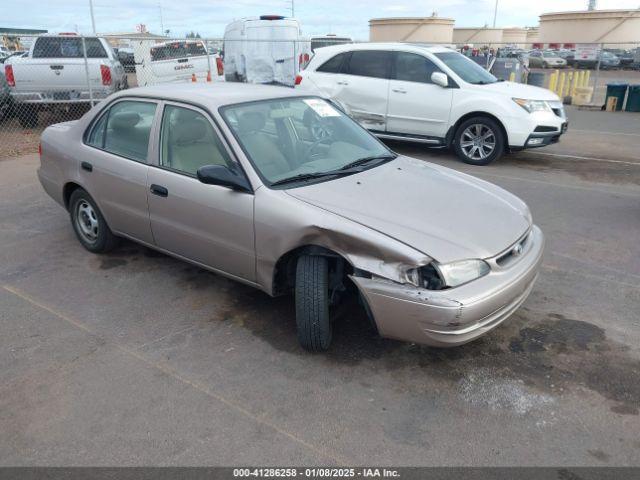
286,193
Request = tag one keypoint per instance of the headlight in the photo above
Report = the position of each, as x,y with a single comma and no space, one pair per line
457,273
436,276
533,105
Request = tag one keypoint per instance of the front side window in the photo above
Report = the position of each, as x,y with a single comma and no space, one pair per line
124,130
369,63
411,67
188,141
466,69
293,140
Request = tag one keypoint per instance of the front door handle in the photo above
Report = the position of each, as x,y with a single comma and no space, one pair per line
159,190
342,83
398,90
86,166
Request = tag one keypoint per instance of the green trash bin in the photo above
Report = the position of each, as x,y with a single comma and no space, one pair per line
633,99
617,90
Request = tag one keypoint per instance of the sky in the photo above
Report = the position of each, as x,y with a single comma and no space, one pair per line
318,17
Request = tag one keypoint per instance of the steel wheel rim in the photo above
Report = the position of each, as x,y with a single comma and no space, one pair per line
87,221
478,141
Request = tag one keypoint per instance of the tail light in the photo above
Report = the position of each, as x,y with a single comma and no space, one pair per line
219,66
105,73
40,149
8,73
298,79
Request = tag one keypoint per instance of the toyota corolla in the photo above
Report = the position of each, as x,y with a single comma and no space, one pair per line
286,193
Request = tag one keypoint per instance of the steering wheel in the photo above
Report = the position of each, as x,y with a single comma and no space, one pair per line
321,132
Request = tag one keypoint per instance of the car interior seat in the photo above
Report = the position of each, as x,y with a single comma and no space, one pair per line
262,148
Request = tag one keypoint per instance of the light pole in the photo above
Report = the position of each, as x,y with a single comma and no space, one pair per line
93,18
495,14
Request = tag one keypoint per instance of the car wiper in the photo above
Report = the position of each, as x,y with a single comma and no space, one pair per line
305,176
344,170
365,160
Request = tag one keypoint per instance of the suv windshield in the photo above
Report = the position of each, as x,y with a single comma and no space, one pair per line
294,141
466,69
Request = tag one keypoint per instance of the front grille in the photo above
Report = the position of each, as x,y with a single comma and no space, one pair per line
512,254
543,128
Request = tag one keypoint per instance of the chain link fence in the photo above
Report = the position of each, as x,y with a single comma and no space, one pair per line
55,78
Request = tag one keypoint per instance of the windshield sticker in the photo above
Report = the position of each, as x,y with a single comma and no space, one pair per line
321,107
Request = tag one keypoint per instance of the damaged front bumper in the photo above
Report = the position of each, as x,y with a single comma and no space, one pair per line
451,317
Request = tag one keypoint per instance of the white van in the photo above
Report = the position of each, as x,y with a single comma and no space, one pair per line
174,62
267,49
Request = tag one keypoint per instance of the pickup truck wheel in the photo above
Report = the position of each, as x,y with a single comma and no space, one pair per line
312,303
89,224
27,116
478,141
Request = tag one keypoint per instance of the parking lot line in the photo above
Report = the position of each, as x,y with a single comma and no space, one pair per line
595,132
554,184
578,157
337,459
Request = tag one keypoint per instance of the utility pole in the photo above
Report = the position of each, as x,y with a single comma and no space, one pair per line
293,8
495,14
93,18
161,23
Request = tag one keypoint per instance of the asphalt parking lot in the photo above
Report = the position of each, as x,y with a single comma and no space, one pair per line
134,358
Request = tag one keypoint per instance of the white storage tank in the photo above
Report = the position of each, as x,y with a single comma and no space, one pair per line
479,37
432,29
514,36
590,26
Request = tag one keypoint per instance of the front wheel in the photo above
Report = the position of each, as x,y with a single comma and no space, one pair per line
89,224
312,303
479,141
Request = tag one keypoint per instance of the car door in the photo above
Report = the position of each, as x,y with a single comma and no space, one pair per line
114,166
363,87
417,106
208,224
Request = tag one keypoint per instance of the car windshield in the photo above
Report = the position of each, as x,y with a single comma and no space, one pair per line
466,69
296,141
550,54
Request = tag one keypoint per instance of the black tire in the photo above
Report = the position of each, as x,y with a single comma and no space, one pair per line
104,240
486,157
312,303
545,65
27,116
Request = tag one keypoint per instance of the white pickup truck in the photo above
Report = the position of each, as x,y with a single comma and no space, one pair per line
175,61
56,73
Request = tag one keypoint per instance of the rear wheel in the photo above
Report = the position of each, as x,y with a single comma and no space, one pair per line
27,115
89,224
312,303
479,141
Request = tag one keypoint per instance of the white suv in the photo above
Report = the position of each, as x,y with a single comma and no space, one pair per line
436,96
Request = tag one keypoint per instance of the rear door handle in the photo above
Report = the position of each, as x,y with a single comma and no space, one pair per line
159,190
398,90
342,83
86,166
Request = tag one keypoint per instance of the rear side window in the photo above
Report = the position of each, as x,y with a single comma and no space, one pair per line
411,67
67,47
124,130
369,63
176,50
333,65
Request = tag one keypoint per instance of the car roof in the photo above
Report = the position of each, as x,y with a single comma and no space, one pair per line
212,95
418,47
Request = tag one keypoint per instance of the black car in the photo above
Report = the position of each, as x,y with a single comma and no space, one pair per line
127,60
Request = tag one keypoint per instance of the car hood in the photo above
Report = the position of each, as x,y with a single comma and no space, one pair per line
518,90
442,213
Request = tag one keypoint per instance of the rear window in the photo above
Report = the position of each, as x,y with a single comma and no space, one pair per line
175,50
67,47
369,63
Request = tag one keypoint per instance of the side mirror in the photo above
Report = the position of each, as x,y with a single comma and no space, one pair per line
440,78
223,176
